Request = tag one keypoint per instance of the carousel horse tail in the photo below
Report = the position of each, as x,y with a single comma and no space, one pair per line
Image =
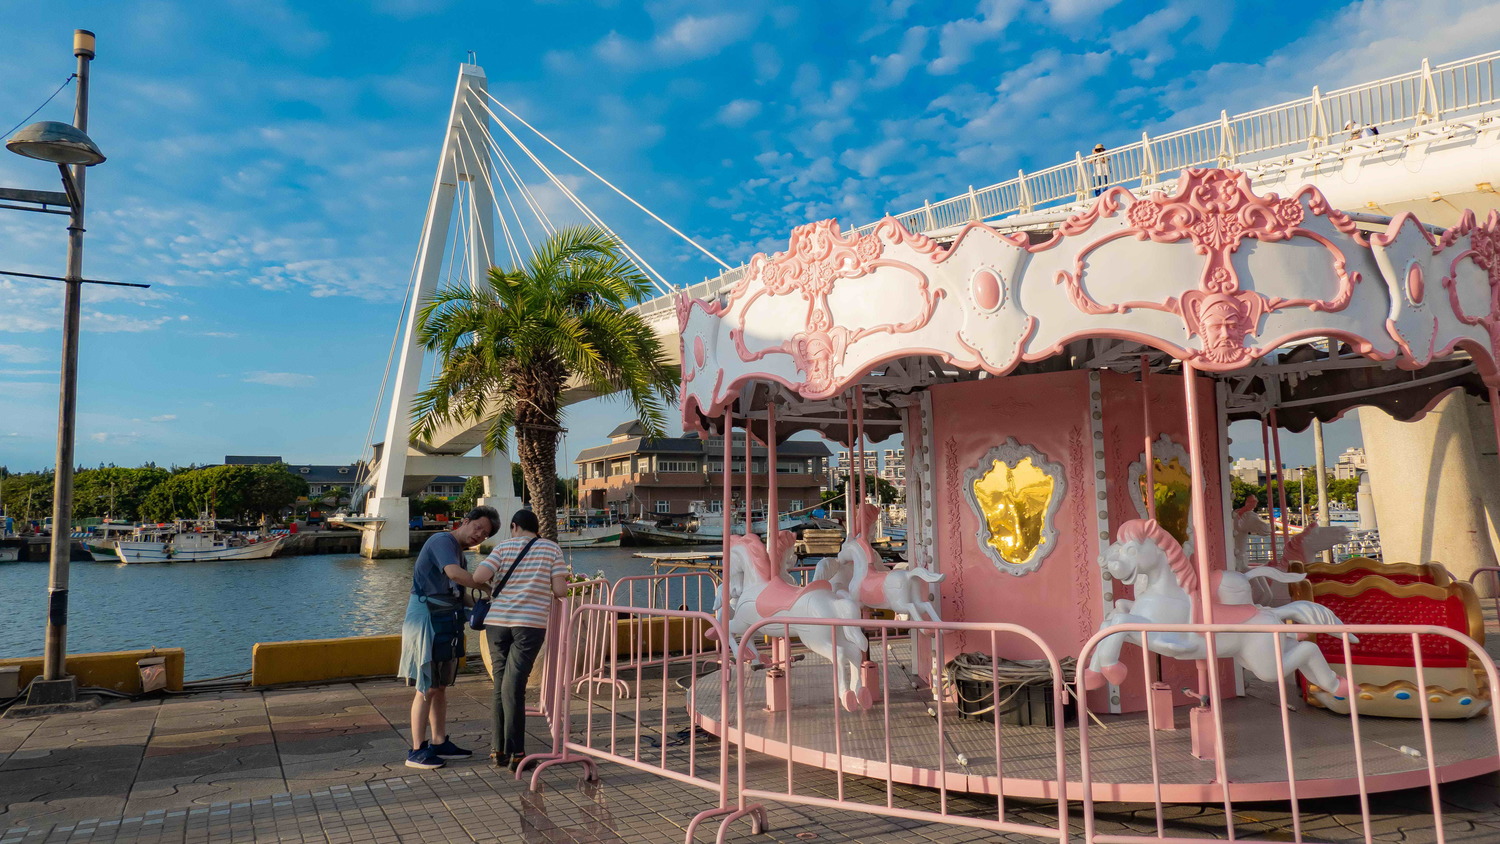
927,575
1307,612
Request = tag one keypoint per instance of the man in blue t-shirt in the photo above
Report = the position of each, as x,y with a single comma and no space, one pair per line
432,636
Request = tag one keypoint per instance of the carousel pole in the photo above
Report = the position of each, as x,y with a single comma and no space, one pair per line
1265,443
1280,481
859,431
1322,459
849,477
1150,459
773,520
1210,717
726,514
749,486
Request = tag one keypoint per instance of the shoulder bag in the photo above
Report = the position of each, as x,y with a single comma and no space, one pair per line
481,606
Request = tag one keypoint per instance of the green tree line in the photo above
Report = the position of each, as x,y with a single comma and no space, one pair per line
149,493
1340,491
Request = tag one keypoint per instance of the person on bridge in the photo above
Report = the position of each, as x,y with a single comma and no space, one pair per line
432,636
531,572
1100,163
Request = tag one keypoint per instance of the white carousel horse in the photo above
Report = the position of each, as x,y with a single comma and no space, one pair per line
759,588
1302,548
858,573
1146,556
1248,523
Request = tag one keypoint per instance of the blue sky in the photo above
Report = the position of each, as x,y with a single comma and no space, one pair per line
270,162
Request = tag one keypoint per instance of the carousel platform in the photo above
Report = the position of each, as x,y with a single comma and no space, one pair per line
916,754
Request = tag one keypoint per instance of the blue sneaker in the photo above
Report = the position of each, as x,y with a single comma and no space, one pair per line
424,758
449,750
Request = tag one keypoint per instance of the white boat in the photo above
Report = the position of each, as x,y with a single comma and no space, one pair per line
9,553
599,536
186,542
100,541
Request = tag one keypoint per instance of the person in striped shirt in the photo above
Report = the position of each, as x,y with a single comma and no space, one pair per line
516,625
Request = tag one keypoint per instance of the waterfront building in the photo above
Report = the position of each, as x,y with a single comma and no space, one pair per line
635,475
1250,471
893,467
1350,464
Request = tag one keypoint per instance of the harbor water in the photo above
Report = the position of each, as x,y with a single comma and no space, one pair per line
218,611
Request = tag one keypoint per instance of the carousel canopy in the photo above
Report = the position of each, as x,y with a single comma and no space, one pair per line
1268,292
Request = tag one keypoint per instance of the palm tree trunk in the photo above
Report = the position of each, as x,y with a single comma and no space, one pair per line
538,450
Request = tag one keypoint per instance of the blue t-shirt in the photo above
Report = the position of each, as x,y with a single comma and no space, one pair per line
427,577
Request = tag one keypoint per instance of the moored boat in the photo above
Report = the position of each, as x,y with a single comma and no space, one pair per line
100,541
184,542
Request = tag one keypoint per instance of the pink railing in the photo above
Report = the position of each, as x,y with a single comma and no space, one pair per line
657,736
815,701
637,683
1494,573
1209,732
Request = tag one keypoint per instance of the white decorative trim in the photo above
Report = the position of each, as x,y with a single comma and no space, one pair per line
1221,418
1101,508
1011,453
1165,448
920,470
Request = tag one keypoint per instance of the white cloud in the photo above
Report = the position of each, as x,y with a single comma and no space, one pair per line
279,379
1072,11
165,417
958,38
225,335
737,113
114,437
21,354
688,38
891,70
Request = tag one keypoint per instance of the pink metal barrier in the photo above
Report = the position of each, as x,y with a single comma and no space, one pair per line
649,730
1242,770
1494,573
794,719
579,593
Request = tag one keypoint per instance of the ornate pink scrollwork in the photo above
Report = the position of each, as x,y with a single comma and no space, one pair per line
1484,252
1216,211
819,257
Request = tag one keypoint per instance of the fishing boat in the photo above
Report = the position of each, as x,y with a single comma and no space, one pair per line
100,540
189,541
583,529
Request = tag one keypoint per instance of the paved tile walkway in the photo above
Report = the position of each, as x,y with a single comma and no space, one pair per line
326,765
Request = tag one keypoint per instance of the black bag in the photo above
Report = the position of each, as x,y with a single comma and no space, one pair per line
481,606
447,629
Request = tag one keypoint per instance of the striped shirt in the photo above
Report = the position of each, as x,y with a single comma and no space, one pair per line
527,596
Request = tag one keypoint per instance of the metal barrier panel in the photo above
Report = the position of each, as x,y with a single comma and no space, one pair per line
579,593
794,733
652,729
1242,765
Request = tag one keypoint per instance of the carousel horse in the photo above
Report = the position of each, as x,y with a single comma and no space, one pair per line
1302,548
858,573
1147,557
759,589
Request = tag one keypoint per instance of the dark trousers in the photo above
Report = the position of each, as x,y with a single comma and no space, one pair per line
513,652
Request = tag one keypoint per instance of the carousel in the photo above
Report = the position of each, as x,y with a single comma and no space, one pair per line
1064,396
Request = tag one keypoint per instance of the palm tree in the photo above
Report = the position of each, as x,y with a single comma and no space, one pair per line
511,345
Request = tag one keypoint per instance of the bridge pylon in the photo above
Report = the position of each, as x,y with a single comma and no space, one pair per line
403,467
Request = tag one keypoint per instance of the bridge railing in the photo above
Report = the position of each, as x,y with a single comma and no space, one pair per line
1394,106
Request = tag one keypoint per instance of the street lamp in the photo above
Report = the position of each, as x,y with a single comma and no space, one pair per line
69,147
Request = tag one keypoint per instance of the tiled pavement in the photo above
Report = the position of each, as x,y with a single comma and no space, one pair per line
325,765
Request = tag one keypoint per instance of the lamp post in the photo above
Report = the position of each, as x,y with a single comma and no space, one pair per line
71,150
1302,490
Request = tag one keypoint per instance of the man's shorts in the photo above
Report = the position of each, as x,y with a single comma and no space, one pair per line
447,646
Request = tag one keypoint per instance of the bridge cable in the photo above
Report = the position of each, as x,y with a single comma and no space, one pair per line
607,182
659,281
490,185
531,202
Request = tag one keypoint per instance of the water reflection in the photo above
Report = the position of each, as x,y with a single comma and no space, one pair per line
218,611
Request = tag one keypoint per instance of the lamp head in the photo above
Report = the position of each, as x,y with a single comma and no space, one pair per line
58,143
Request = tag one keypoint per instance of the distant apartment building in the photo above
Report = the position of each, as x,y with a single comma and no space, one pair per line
634,475
848,459
1250,471
1350,464
893,468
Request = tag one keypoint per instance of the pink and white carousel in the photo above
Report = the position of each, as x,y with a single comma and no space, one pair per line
1064,397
